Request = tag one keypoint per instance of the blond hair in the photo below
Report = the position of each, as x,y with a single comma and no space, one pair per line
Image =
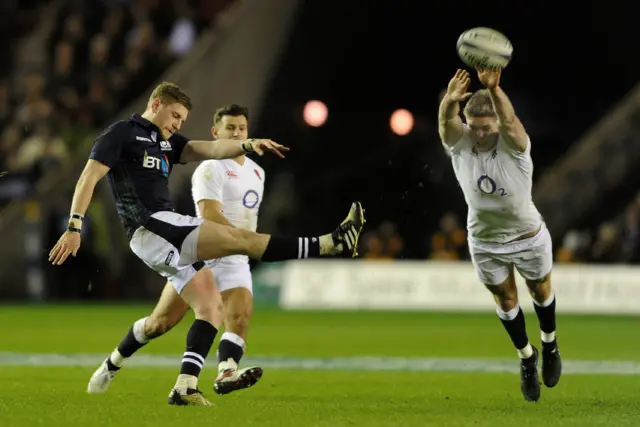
169,93
480,105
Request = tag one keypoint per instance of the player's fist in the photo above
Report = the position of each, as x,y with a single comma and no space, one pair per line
259,146
457,89
68,244
489,77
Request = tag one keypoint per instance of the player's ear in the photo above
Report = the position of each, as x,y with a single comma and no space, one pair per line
155,105
214,132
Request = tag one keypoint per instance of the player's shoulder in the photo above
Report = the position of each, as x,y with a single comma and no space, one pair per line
118,127
209,169
464,143
178,138
254,165
210,164
512,152
257,169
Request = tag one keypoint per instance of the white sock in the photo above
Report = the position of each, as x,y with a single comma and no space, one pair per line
508,315
236,339
526,352
548,337
138,331
116,358
227,364
186,381
546,302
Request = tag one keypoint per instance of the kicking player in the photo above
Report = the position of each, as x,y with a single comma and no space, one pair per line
492,162
137,155
228,192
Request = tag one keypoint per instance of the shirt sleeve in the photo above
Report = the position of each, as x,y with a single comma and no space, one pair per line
208,181
107,147
460,144
178,142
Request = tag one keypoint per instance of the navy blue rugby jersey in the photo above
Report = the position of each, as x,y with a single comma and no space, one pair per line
140,161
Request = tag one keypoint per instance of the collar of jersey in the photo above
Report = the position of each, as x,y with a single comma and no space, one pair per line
146,123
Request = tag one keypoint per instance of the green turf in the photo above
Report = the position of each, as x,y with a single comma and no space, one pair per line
55,396
73,329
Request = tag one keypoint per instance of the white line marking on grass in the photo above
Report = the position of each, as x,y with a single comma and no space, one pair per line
333,363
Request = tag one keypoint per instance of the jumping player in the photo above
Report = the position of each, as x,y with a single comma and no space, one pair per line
138,155
491,157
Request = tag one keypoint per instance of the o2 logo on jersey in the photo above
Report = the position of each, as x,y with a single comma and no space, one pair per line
250,199
487,185
161,164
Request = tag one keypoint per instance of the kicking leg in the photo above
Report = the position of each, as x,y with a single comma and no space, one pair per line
201,294
238,307
167,313
217,241
512,318
544,302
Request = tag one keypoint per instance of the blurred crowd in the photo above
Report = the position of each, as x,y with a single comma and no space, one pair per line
100,56
616,240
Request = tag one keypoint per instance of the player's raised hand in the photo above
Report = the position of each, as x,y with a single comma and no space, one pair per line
68,244
489,77
259,146
457,89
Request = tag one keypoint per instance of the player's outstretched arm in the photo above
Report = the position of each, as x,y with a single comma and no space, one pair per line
449,121
69,242
511,128
228,148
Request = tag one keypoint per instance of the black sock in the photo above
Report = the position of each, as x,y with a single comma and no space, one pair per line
229,350
517,330
111,366
129,344
547,316
285,248
199,341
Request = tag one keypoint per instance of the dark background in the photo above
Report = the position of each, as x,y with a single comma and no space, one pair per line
366,59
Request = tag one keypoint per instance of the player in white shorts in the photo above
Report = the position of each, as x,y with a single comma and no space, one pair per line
491,158
230,192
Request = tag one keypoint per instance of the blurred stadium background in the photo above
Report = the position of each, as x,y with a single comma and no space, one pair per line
353,87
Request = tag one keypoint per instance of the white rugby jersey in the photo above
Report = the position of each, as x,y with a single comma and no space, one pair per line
497,188
238,187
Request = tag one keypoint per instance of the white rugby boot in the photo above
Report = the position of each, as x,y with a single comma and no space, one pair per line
231,378
101,379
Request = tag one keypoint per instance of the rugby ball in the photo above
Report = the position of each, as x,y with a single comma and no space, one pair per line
485,48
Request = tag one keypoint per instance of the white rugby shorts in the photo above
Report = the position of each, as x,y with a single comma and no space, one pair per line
168,244
231,275
532,258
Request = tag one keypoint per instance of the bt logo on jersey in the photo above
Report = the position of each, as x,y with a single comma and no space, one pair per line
161,164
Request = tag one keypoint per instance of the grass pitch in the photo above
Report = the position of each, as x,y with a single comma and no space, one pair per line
321,369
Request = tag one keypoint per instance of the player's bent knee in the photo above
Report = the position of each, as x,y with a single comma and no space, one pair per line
505,295
156,326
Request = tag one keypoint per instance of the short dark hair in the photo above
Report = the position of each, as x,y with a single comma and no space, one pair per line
234,110
480,105
169,93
